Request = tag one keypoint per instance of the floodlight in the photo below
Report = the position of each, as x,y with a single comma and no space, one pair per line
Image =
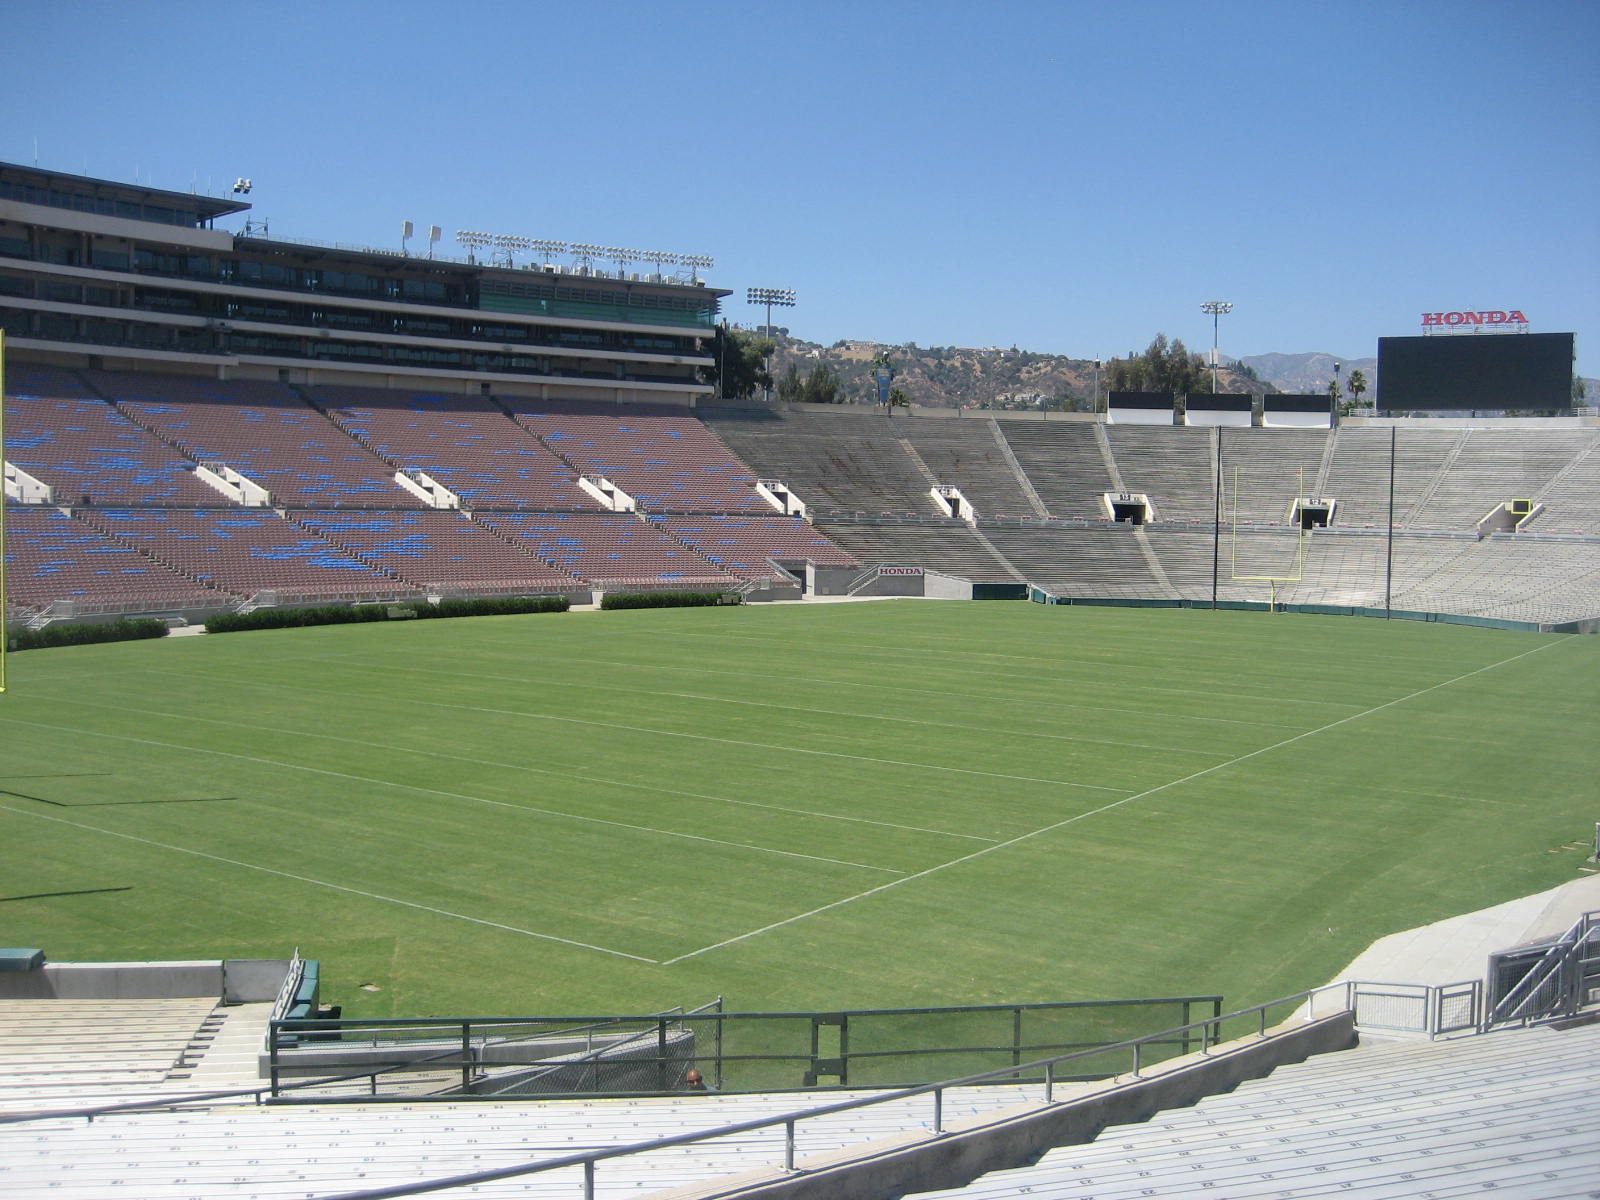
1217,308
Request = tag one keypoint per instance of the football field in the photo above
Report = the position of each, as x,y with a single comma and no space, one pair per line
794,807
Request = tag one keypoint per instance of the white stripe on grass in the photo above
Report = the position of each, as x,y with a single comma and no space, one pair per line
235,684
927,696
411,787
337,887
1115,804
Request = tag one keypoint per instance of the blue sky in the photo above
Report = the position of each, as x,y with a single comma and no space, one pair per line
1067,177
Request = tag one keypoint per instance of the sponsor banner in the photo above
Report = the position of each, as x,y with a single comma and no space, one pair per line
1475,320
899,570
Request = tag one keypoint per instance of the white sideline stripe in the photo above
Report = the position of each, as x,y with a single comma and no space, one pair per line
338,887
488,762
411,787
984,697
1102,809
800,708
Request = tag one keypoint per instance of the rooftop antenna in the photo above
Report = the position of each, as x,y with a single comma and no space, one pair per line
434,234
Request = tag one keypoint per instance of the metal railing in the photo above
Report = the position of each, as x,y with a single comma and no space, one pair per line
1555,976
746,1052
1207,1033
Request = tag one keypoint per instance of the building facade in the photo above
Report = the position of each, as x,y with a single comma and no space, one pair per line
95,273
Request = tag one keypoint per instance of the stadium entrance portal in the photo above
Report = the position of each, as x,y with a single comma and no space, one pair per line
1132,507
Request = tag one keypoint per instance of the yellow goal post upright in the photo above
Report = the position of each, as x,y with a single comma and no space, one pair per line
1272,581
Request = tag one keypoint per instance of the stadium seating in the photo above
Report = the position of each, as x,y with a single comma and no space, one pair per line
1174,467
129,445
88,452
668,462
612,549
1513,1114
971,455
1066,464
466,443
437,550
247,550
261,430
834,462
949,547
50,556
744,545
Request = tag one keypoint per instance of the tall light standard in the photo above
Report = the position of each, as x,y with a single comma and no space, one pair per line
782,297
1216,308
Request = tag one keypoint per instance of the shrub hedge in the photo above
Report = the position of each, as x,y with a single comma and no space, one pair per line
84,635
667,599
347,614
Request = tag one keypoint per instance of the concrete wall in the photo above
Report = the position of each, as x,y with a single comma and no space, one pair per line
1014,1137
237,981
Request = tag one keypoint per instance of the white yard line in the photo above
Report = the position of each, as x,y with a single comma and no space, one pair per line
987,850
337,887
411,787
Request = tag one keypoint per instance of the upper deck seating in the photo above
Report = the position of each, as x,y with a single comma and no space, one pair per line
1265,470
437,549
609,548
246,551
1572,499
1174,467
968,454
464,442
50,556
667,461
743,546
1064,463
834,462
1490,467
1359,473
85,449
263,431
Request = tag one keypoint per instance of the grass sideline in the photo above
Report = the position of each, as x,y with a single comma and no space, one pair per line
824,806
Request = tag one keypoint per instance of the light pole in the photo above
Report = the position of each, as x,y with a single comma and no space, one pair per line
783,298
1216,308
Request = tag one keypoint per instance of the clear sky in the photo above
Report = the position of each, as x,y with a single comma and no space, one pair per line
1065,177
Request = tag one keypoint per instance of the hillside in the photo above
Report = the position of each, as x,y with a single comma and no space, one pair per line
957,377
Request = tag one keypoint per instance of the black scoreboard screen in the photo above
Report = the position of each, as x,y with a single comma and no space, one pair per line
1526,372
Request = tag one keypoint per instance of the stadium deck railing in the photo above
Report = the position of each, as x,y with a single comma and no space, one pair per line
1439,1009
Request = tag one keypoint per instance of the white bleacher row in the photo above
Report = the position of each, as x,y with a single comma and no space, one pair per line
274,1153
1515,1113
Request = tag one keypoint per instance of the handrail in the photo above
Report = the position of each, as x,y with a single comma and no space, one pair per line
1514,1005
588,1159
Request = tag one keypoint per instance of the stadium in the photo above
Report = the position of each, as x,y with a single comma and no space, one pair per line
1063,869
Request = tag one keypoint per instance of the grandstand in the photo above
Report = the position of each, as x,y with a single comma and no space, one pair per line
258,424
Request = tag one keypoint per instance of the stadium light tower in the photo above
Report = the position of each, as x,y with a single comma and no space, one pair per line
1216,308
782,297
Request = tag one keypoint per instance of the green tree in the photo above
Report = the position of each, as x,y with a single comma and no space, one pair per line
1163,367
739,363
899,398
822,386
1358,386
1335,393
791,388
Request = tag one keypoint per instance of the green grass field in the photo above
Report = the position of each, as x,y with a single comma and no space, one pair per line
795,807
